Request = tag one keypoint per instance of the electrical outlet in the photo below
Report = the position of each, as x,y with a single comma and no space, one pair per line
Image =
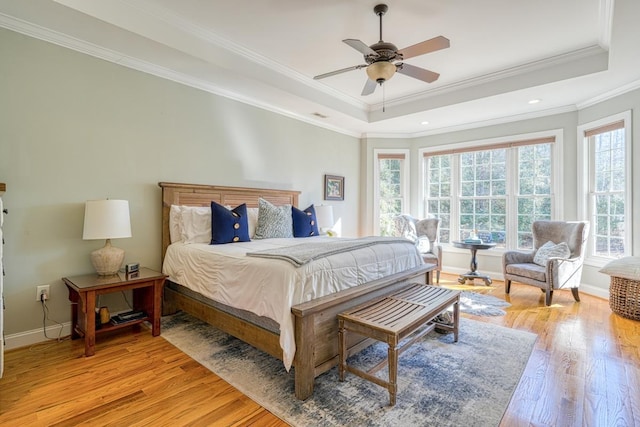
44,289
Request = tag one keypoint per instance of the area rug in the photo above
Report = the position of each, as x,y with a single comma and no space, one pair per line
440,383
481,304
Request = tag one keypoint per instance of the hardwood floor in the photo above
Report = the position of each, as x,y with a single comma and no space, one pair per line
585,370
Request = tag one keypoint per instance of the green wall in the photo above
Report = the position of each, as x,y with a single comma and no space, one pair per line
73,128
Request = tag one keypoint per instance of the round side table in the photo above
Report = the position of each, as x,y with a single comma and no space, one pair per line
473,272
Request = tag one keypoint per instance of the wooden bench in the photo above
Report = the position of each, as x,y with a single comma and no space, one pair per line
391,320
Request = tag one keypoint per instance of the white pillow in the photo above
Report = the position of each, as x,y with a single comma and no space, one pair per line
252,218
423,244
175,223
551,250
196,224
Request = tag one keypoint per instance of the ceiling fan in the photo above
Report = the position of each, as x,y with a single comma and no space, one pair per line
383,59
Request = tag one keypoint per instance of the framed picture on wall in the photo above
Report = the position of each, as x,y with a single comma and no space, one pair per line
333,187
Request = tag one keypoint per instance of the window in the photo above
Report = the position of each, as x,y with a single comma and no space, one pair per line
438,201
607,186
483,190
391,188
495,189
533,198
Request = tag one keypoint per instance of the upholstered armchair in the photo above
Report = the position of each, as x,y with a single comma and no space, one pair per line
549,266
424,232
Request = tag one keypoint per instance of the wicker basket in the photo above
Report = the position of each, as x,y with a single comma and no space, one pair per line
624,297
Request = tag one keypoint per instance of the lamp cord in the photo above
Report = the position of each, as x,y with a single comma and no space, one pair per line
45,317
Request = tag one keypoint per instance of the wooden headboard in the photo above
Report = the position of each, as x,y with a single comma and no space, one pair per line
202,195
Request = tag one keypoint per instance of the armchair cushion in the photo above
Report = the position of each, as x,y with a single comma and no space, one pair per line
529,270
551,250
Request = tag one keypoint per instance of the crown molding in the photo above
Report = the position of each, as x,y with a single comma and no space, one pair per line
476,125
174,20
609,95
575,55
50,36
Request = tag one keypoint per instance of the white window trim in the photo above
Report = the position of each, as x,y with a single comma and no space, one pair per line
557,188
583,183
404,177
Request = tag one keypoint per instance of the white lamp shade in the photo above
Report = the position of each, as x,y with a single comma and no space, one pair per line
106,219
324,216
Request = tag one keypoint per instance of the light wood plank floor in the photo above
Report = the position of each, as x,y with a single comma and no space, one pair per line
584,371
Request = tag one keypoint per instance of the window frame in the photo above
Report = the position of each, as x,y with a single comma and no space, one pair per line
557,208
585,179
405,174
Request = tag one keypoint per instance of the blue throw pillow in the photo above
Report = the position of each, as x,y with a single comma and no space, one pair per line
305,223
229,226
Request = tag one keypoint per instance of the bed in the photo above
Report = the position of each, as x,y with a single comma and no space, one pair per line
313,322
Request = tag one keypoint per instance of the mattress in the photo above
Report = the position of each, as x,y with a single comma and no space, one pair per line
270,287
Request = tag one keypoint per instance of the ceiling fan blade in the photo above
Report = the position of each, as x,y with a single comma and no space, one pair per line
417,73
426,46
344,70
360,47
369,87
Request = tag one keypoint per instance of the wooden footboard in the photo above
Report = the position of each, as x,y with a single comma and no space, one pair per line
316,324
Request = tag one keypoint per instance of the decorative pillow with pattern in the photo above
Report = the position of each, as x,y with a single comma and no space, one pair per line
273,221
229,226
305,223
405,227
551,250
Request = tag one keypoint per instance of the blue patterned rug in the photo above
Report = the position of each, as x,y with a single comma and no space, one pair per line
481,304
440,383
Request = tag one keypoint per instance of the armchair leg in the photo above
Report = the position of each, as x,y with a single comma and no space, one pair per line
549,295
438,277
507,286
574,291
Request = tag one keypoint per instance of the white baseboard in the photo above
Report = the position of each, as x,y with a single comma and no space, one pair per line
593,290
35,336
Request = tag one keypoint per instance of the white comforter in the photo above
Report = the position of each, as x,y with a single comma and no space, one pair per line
269,287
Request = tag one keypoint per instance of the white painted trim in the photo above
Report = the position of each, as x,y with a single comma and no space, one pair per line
557,188
35,336
87,48
96,51
583,289
405,182
515,71
609,95
585,165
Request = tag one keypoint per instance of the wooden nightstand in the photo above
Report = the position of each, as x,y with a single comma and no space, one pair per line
147,288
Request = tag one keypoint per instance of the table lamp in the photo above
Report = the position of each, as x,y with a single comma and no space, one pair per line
106,219
324,216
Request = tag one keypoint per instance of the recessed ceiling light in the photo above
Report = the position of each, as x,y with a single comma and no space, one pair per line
424,123
534,101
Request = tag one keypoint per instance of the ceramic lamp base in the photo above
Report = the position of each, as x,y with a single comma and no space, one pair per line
107,260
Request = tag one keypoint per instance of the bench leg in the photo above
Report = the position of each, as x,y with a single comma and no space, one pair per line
393,373
456,319
342,349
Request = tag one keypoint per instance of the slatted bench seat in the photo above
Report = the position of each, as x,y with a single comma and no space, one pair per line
391,320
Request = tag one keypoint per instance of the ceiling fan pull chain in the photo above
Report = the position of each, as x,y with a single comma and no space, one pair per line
383,93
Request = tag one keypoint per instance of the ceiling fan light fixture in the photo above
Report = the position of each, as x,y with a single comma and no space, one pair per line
381,71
